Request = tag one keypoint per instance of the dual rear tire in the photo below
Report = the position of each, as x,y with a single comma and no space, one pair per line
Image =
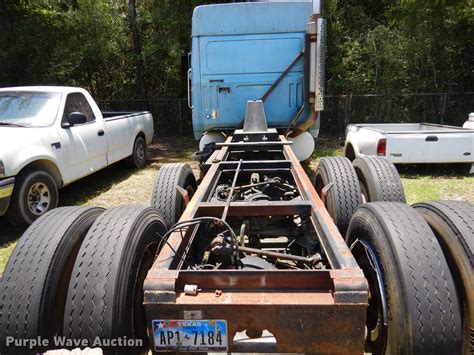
34,283
414,305
378,180
419,265
344,186
105,295
78,272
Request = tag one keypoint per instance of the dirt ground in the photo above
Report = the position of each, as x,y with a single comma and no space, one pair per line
120,185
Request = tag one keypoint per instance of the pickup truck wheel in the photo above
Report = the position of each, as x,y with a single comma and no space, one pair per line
35,193
35,281
453,225
413,302
138,158
166,198
336,183
105,296
379,180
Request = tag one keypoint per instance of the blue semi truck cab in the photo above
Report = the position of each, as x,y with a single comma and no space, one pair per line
239,52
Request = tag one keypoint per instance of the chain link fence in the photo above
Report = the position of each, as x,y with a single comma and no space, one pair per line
441,108
173,116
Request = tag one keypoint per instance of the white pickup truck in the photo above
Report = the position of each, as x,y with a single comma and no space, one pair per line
52,136
411,143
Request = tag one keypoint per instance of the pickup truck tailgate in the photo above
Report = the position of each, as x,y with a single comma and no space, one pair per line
431,147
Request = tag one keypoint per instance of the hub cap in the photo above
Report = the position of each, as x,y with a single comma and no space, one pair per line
39,198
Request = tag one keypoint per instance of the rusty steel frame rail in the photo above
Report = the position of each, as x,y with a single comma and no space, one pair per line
315,311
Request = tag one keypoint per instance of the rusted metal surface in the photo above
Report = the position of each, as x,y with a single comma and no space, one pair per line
313,260
255,209
334,245
184,194
229,199
300,308
324,192
315,311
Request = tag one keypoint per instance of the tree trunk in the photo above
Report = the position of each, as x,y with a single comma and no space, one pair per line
137,48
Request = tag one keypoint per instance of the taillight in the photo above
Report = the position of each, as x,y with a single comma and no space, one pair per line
382,147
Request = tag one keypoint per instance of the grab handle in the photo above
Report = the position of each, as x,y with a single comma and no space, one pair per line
189,88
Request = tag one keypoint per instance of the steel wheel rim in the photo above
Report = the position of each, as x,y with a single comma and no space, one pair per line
140,153
364,194
39,198
138,313
377,318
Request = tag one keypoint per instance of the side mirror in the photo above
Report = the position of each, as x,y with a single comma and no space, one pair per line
76,118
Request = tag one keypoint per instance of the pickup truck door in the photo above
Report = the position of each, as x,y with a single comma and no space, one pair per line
84,146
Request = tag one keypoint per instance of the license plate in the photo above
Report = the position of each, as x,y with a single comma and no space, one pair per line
190,335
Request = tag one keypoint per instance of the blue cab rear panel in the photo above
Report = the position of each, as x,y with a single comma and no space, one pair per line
238,52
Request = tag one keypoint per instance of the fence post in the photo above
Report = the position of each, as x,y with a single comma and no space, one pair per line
443,110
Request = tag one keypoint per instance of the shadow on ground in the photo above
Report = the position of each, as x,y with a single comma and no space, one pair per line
453,171
8,233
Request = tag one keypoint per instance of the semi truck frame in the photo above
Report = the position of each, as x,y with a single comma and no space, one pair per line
327,293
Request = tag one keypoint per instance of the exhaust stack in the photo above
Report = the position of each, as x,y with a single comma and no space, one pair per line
316,32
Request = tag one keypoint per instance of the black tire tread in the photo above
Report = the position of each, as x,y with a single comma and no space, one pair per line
458,246
26,280
428,287
164,196
345,189
384,183
459,215
89,310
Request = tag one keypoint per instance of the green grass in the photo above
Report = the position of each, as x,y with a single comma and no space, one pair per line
5,251
118,185
420,188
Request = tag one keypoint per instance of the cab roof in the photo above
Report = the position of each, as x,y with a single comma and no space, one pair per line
251,18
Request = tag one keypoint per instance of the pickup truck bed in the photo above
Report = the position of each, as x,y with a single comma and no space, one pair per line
408,143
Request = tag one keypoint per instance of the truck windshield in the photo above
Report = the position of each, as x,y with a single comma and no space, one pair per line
29,109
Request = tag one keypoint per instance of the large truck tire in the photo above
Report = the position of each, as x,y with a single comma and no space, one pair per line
105,296
412,290
166,198
35,193
342,197
379,180
453,225
34,284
